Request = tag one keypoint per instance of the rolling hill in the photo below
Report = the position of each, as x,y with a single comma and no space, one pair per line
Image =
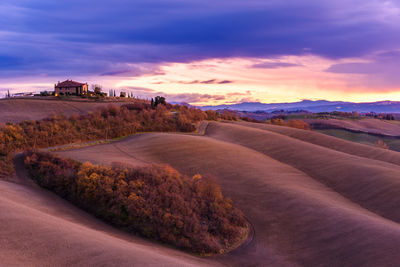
17,110
370,126
317,138
328,203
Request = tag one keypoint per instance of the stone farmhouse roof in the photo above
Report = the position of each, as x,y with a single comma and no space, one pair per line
69,83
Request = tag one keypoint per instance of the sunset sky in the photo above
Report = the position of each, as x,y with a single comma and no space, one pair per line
206,52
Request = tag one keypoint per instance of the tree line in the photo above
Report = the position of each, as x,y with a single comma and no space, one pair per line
108,122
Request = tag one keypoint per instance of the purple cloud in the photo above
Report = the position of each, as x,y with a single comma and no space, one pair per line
247,93
40,38
274,65
212,81
382,70
225,82
140,90
194,97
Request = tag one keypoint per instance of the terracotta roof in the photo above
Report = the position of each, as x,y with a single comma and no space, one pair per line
69,83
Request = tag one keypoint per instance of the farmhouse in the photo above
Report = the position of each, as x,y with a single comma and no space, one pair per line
70,87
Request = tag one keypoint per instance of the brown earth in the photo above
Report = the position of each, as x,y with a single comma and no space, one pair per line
308,204
331,142
371,126
312,200
17,110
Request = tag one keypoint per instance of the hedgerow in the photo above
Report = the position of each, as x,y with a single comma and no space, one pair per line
109,122
156,201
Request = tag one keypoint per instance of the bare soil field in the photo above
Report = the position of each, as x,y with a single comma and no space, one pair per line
331,142
17,110
308,204
371,126
373,184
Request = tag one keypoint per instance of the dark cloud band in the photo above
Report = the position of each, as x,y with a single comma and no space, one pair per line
90,37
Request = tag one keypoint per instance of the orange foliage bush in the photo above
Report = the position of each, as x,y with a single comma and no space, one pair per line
299,124
106,123
157,202
250,119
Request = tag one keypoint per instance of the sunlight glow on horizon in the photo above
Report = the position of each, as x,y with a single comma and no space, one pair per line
234,80
306,79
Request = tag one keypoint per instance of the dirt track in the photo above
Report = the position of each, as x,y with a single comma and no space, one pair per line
312,200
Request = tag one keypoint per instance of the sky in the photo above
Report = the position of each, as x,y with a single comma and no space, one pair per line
206,52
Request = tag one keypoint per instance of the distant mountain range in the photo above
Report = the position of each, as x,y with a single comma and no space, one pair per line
314,106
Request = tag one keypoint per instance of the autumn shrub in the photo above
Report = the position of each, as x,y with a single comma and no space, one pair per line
298,124
157,201
211,115
228,115
106,123
250,119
